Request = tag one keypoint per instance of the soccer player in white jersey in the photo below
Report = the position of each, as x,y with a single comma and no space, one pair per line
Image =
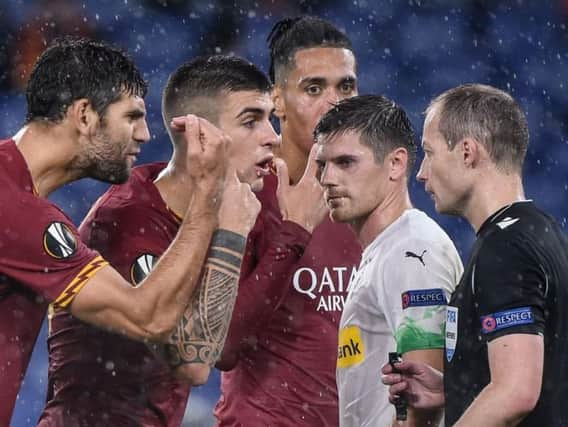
366,152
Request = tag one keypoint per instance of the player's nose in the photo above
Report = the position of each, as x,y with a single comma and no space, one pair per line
421,175
272,139
331,98
325,175
141,132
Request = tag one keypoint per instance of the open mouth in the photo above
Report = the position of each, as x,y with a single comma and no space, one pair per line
263,167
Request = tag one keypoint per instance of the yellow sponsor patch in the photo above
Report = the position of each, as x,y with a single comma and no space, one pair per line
350,350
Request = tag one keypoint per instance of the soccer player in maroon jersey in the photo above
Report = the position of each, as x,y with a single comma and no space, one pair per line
281,350
119,381
86,117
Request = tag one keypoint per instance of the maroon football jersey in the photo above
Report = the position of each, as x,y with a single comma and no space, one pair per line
42,259
100,378
285,322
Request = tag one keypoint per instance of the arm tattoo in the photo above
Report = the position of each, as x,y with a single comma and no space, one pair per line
201,333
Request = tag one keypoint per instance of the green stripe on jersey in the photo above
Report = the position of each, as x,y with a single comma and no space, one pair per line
410,336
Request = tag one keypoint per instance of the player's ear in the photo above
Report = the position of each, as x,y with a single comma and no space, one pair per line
82,115
471,152
278,100
397,162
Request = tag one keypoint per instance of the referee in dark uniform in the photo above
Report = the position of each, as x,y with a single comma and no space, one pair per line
507,322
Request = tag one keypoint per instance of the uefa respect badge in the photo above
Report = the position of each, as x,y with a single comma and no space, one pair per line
506,319
451,331
423,298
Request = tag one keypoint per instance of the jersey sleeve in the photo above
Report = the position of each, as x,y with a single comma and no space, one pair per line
42,250
509,287
418,278
131,238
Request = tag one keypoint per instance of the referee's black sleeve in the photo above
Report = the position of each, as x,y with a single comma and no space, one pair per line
511,297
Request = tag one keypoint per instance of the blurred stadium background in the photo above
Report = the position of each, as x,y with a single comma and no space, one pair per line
408,50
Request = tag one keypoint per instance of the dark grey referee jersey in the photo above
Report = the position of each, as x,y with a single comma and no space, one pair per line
516,281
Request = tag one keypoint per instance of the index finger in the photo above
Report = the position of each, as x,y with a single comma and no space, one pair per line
178,124
311,167
191,131
407,367
391,379
281,173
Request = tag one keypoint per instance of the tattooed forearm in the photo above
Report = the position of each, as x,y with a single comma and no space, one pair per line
200,335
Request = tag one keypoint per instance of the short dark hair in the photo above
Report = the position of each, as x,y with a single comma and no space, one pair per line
382,124
209,77
73,68
303,32
487,114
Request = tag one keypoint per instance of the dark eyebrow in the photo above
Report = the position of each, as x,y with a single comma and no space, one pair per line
136,113
253,110
313,81
348,79
343,157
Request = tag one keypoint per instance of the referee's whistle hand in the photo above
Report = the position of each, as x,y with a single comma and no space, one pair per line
422,385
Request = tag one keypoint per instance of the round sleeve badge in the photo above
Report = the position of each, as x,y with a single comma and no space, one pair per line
141,267
488,324
59,241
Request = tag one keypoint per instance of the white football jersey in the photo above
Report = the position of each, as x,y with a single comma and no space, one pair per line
397,303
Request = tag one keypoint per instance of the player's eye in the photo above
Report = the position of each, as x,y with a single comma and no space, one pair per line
249,123
313,90
347,87
345,163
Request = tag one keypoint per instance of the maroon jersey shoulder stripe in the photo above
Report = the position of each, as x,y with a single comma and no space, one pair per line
78,282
